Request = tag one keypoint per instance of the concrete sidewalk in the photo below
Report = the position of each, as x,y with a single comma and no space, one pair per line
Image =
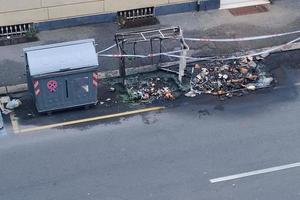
283,16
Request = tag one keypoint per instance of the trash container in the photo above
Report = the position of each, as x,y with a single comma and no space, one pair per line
62,75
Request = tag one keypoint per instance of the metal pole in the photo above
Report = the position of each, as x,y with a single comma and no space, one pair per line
151,45
123,65
160,48
134,49
122,70
182,61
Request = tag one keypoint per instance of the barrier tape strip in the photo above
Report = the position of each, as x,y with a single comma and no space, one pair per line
140,56
224,40
171,53
242,39
268,51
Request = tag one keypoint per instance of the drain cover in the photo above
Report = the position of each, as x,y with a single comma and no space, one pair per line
137,17
248,10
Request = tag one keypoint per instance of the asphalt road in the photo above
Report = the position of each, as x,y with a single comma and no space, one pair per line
164,155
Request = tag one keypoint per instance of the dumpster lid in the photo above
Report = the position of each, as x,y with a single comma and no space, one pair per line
61,57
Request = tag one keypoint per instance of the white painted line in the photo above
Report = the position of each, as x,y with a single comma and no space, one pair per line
256,172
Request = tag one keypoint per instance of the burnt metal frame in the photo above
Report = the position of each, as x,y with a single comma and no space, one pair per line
148,35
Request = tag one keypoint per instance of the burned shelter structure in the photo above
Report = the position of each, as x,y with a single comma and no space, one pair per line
62,75
127,42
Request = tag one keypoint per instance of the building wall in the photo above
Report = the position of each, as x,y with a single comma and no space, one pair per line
25,11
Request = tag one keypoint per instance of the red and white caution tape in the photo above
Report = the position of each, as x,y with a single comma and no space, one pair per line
268,51
171,53
243,38
139,56
223,40
123,55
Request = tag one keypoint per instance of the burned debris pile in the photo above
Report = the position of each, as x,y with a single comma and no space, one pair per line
219,78
149,89
230,78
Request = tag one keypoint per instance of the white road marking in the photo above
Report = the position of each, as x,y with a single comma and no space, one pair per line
256,172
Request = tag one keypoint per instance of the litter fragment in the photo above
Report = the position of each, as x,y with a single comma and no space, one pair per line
112,89
190,94
264,81
4,99
148,89
15,103
251,87
4,110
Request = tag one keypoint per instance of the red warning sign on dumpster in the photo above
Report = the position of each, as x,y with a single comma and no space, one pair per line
52,85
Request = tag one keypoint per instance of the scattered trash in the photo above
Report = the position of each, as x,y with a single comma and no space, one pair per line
4,110
4,99
264,81
191,94
15,103
251,87
108,99
112,89
147,89
226,79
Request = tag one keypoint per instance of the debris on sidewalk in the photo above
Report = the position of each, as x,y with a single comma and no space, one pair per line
229,78
4,100
112,89
4,110
148,89
14,103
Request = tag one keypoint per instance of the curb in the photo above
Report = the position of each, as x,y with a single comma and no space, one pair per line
131,71
13,89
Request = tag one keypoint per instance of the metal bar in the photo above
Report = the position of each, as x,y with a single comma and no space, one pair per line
121,61
176,29
160,49
134,48
151,46
163,36
123,64
143,36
